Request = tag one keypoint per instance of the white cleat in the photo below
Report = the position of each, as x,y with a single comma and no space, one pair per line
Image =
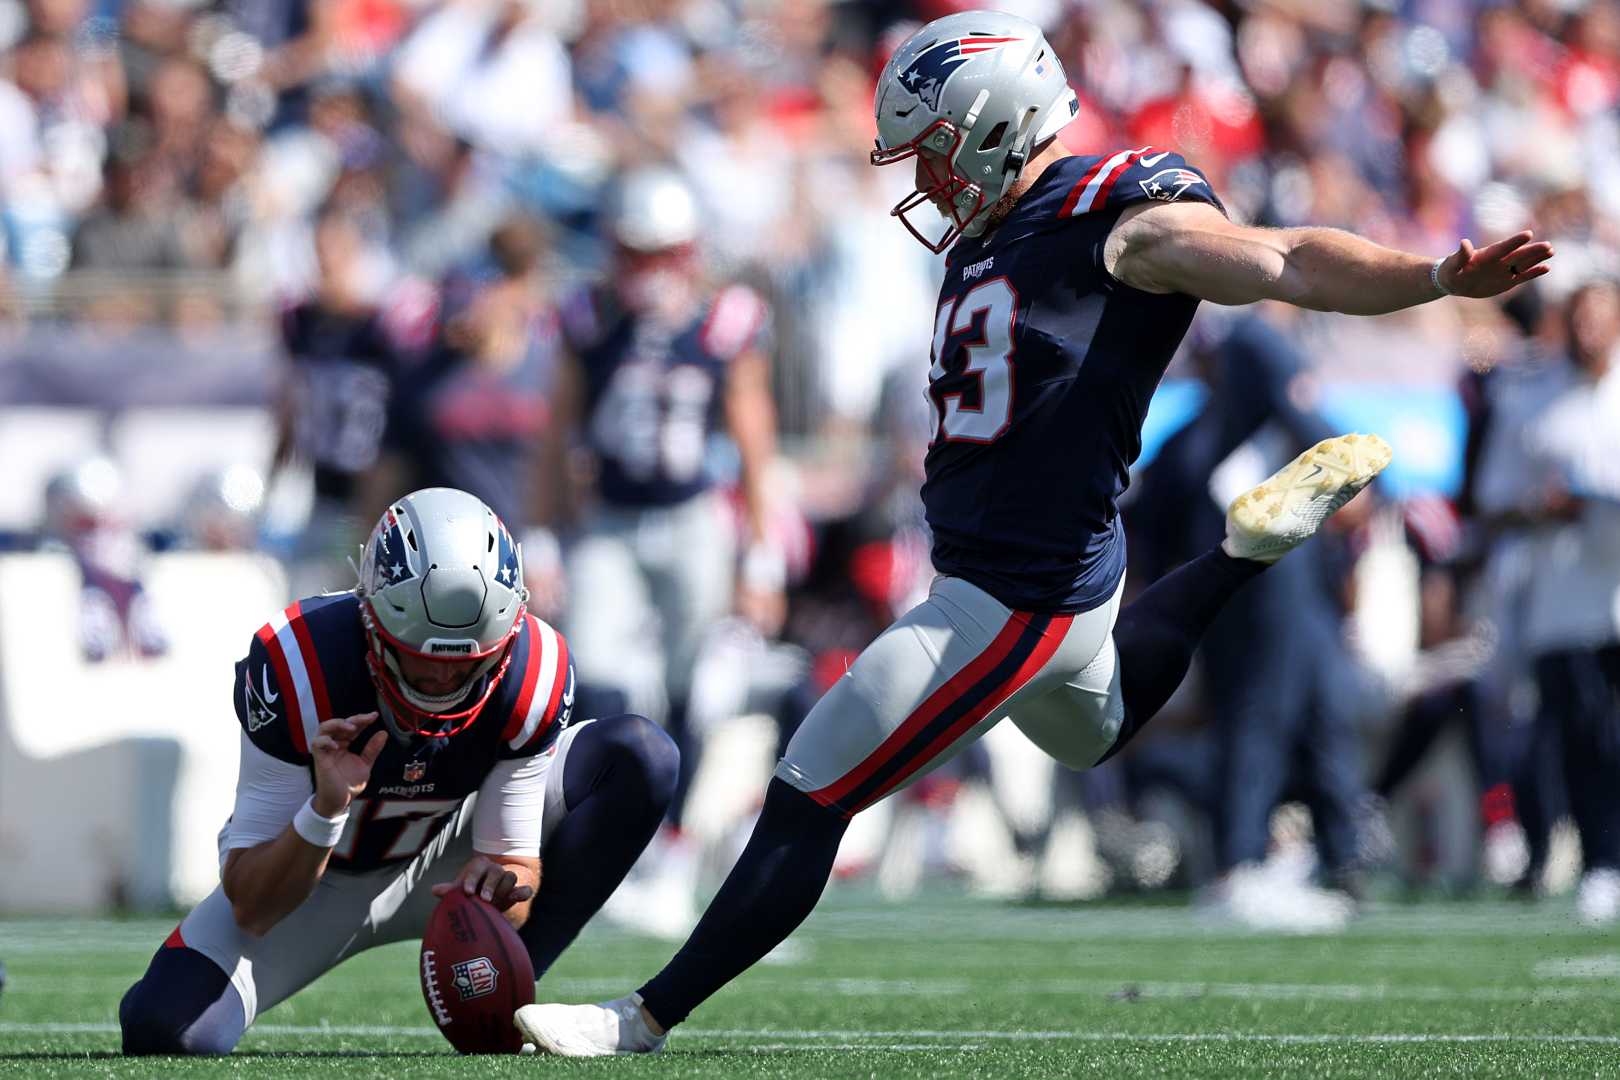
1268,521
605,1030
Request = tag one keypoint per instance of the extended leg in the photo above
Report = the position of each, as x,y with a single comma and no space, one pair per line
775,885
1158,632
919,693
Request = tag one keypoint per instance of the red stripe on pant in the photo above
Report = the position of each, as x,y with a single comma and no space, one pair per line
1050,640
956,686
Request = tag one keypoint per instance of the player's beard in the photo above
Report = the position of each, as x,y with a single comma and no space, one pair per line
1002,207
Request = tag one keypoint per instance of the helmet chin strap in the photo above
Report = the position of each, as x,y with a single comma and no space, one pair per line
1011,169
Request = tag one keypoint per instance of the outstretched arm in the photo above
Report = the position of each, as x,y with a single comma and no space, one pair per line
1192,248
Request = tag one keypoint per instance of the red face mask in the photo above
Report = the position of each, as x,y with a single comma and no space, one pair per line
412,718
937,184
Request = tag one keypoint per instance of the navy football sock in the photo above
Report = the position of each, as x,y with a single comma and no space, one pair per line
1158,632
184,1004
770,891
617,782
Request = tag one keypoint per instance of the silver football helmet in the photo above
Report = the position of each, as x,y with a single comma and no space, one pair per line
981,90
652,208
440,579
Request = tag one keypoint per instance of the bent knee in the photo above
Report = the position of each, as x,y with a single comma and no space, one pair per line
644,747
155,1021
148,1027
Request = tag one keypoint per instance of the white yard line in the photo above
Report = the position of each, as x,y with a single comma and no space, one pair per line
940,1039
1115,987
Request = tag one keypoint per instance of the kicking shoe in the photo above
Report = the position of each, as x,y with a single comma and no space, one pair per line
1268,521
605,1030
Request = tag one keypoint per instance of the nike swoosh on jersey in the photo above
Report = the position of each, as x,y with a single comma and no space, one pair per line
1155,159
264,680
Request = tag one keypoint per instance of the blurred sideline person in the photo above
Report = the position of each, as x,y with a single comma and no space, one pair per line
1573,620
477,413
85,516
1070,284
1445,688
368,719
333,407
1273,660
1504,403
664,367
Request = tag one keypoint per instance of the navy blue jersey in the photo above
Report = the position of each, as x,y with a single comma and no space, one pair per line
308,665
1043,367
654,392
478,427
345,364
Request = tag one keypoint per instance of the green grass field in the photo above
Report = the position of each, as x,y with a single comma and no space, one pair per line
942,987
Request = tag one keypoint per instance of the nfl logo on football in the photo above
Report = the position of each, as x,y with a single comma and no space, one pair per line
474,978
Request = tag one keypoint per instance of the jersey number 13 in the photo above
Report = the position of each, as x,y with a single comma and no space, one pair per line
989,361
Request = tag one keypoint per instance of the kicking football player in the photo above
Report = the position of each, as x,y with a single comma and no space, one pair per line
1069,285
368,720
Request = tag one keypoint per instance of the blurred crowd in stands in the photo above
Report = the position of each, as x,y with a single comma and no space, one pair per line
410,224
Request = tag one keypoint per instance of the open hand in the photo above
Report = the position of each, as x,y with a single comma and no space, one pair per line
495,882
341,772
1492,270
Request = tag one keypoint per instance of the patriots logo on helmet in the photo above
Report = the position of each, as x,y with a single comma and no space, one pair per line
508,572
927,75
1166,185
393,565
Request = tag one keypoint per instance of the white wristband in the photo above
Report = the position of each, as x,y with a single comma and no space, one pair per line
323,832
1434,276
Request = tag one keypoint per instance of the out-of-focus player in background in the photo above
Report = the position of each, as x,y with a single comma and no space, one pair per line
399,740
85,516
1071,282
668,372
476,414
341,362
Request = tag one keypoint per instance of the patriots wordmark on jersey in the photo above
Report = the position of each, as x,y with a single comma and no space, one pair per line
1043,367
654,391
308,665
